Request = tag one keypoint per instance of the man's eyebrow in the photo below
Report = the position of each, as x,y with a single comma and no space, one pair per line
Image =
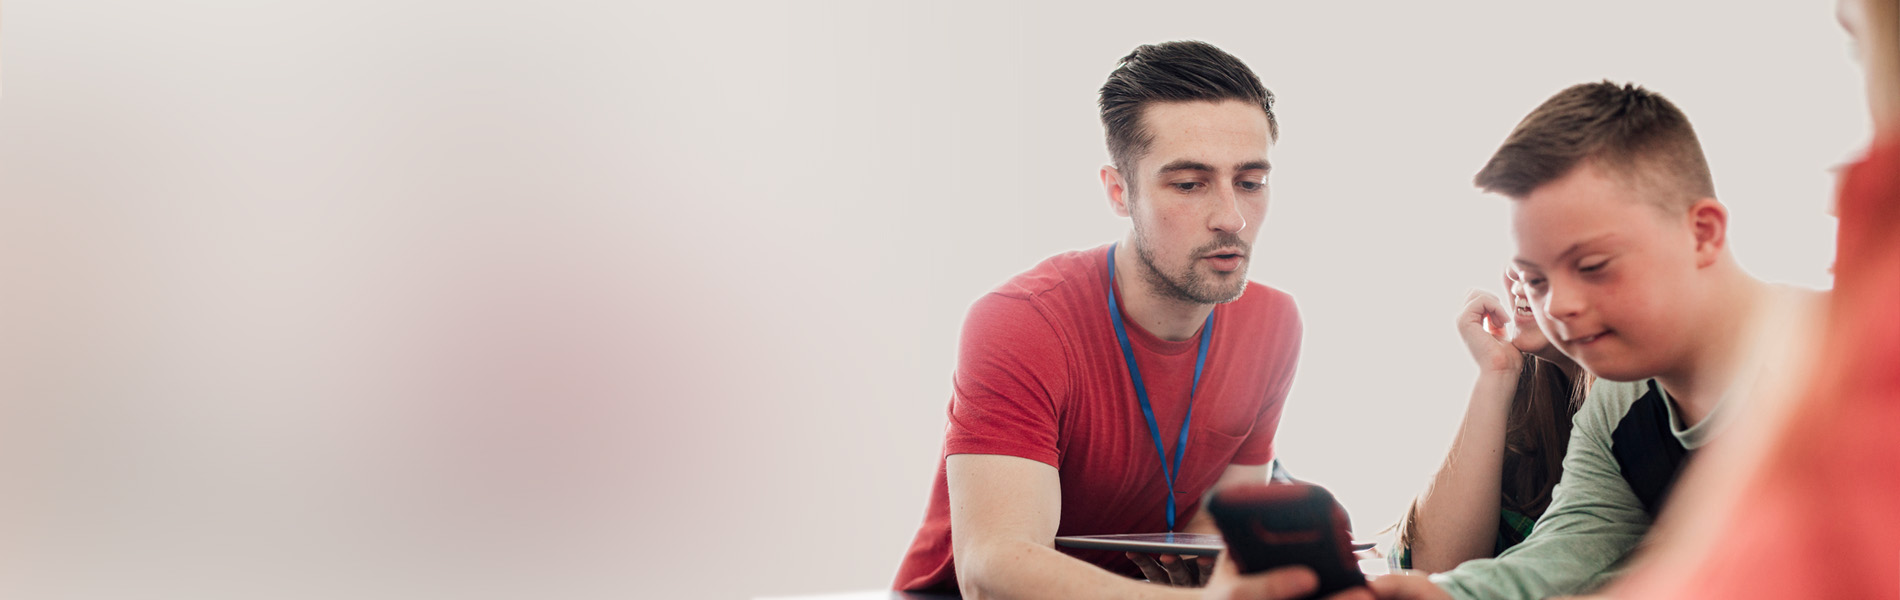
1190,165
1185,165
1522,262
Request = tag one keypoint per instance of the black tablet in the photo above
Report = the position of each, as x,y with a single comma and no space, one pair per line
1191,544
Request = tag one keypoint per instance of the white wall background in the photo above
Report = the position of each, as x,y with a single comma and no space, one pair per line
598,299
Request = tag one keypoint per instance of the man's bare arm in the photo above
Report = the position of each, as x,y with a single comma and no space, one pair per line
1004,511
1003,516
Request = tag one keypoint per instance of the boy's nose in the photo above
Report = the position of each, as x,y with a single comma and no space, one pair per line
1562,304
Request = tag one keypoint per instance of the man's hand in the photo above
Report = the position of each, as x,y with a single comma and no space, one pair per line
1406,587
1285,583
1178,571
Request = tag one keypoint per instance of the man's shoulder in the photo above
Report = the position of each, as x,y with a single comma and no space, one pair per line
1060,284
1065,274
1056,290
1266,300
1264,311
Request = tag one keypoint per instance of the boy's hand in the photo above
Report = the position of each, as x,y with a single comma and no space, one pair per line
1406,587
1482,324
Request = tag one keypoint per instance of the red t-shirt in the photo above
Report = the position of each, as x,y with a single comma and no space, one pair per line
1820,518
1040,376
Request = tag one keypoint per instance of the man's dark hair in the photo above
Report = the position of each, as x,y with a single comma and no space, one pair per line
1172,72
1629,132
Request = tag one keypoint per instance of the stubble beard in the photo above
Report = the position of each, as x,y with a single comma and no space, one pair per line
1188,285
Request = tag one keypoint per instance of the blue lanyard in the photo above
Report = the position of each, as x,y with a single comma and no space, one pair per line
1141,391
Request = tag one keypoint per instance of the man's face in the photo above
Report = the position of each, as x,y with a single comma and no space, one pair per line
1198,197
1611,277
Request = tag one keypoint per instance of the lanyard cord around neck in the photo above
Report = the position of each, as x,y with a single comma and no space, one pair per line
1168,472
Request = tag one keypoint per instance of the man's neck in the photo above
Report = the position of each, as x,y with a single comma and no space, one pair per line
1723,336
1167,318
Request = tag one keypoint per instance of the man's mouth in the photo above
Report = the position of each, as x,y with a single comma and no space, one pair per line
1225,261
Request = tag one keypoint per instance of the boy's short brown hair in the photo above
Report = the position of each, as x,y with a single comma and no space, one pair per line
1631,133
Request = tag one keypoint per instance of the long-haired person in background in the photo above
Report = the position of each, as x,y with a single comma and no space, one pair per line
1509,452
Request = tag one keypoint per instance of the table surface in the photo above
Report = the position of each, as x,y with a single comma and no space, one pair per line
872,595
1372,567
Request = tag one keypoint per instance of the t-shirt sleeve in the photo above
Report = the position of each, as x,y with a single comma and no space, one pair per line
1594,518
1286,332
1012,371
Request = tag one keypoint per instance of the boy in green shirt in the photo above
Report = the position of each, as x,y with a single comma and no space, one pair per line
1625,251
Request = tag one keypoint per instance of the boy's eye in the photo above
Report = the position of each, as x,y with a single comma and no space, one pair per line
1591,268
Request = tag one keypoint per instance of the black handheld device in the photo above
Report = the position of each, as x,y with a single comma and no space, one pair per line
1268,526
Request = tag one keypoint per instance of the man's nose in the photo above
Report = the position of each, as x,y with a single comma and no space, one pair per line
1227,216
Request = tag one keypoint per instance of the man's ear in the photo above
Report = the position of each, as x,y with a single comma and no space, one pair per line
1708,221
1117,188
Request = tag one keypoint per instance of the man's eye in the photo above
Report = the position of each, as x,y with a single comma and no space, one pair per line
1252,186
1187,186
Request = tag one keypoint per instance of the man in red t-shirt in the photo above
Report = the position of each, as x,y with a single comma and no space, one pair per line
1075,378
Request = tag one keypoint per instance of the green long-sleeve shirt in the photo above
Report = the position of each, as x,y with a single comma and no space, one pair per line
1594,518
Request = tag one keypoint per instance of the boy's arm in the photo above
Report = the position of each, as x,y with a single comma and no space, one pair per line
1593,520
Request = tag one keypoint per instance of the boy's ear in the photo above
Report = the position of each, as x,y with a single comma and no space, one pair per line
1117,188
1708,220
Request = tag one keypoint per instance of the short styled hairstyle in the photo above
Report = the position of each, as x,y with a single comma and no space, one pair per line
1172,72
1631,133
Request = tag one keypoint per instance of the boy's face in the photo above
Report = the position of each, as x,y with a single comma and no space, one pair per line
1611,276
1199,197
